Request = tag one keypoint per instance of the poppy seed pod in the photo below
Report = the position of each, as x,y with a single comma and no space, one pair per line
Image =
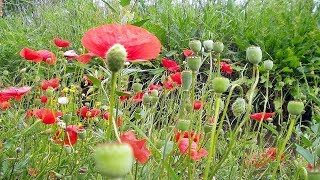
195,45
208,45
116,56
220,84
238,106
268,65
186,80
194,63
254,54
218,47
183,125
154,93
146,99
295,107
82,133
114,160
137,87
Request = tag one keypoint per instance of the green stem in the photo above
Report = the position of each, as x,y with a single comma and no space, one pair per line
218,71
212,138
193,86
211,67
283,145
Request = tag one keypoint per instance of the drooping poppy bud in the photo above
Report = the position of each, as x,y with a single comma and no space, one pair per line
254,54
238,106
220,84
114,160
116,56
194,63
186,80
295,107
268,64
208,45
137,87
195,45
146,99
218,47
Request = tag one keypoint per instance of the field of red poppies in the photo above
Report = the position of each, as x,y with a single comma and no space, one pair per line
121,108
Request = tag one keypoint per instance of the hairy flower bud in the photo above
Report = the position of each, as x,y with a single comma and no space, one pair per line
116,56
208,45
194,63
137,87
183,125
268,65
195,45
218,47
295,107
238,106
254,54
186,80
220,84
154,93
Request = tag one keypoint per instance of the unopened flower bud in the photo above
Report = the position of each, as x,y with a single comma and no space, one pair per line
146,99
67,148
238,107
114,160
268,65
194,63
186,80
183,125
195,45
208,45
218,47
82,133
5,72
116,56
254,54
295,107
137,87
154,93
49,91
281,84
220,84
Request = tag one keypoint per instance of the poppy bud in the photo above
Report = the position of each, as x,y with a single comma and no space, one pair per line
116,56
67,148
49,91
186,77
183,125
281,84
189,107
220,84
159,143
194,63
208,45
82,133
154,99
254,54
114,160
295,107
268,64
146,99
137,87
154,93
37,101
207,128
195,45
5,72
238,107
218,47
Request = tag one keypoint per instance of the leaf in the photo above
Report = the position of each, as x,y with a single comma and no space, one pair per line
96,82
171,53
305,153
306,141
124,2
274,131
140,23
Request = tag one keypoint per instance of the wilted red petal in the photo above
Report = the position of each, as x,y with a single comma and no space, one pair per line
44,99
61,43
187,52
226,67
54,83
30,55
138,97
176,77
139,43
170,65
84,58
4,105
258,116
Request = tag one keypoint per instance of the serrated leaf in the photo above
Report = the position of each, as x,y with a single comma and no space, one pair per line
305,153
140,23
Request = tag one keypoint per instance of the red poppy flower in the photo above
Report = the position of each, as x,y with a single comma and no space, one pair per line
84,58
4,105
170,65
154,87
139,43
125,97
187,52
197,105
226,67
54,83
71,135
310,166
176,77
44,99
106,117
261,160
258,116
61,43
168,84
140,151
138,97
31,55
71,54
14,92
195,153
47,56
196,137
47,116
88,113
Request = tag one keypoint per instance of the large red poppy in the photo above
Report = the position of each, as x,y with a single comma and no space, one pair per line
140,151
13,92
226,67
179,135
47,116
71,135
187,52
47,56
258,116
170,65
31,55
54,83
61,43
139,43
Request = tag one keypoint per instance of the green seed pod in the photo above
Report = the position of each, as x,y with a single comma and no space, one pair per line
303,173
268,65
220,84
154,93
186,80
218,47
146,99
195,45
238,107
295,107
113,160
116,56
5,72
281,84
254,54
82,133
159,143
67,148
183,125
137,87
194,63
154,99
208,45
207,128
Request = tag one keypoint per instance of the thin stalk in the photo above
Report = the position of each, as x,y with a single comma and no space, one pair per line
193,86
218,71
211,67
213,132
